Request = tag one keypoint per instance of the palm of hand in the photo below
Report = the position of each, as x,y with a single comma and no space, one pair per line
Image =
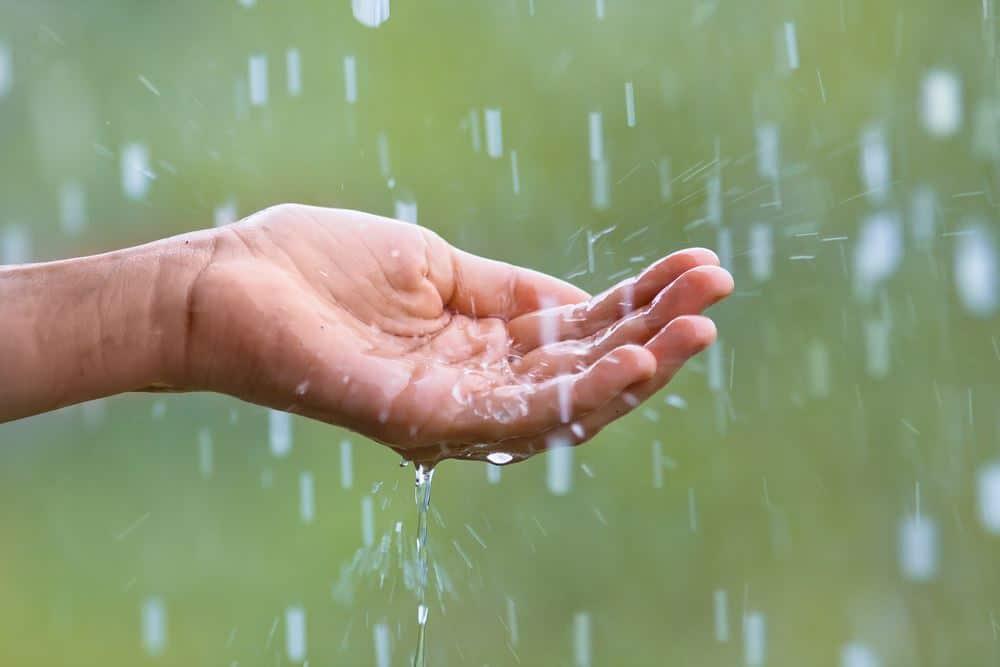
382,327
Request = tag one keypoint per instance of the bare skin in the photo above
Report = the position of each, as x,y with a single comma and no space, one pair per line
376,325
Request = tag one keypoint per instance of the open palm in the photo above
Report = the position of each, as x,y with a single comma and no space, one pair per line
383,327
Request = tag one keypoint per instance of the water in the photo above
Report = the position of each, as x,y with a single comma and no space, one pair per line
257,75
154,625
857,654
791,45
559,467
279,425
346,465
350,79
581,640
422,495
293,73
307,497
941,102
515,174
295,633
989,496
6,69
135,170
383,648
206,457
494,133
630,104
976,274
720,606
876,164
72,208
371,13
224,213
918,548
406,210
754,639
367,521
878,252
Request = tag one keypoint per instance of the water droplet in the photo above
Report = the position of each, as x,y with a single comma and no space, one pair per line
154,625
295,633
941,102
499,458
371,13
257,72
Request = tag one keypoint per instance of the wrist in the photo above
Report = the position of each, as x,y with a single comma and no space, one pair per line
80,329
177,263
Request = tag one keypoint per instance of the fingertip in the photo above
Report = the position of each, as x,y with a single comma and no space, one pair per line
699,331
714,281
641,360
703,256
669,268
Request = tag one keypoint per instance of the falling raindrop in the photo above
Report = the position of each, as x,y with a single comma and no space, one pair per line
761,251
559,466
367,521
346,466
280,432
878,251
754,639
976,271
6,69
721,615
941,102
136,174
72,208
581,640
918,548
989,497
258,79
293,67
629,104
307,497
768,151
663,171
406,210
205,455
875,164
295,633
383,654
494,133
856,654
350,79
154,625
371,13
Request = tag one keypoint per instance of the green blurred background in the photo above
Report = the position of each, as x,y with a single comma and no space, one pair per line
814,490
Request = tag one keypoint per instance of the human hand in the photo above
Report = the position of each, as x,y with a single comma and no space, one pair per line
384,328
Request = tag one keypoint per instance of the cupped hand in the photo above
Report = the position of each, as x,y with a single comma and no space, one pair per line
384,328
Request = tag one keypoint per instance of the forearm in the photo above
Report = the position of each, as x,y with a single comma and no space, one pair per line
80,329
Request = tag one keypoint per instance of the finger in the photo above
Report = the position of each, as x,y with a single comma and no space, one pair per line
680,340
690,294
488,288
584,319
521,410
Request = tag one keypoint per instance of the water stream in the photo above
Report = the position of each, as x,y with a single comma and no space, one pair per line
422,493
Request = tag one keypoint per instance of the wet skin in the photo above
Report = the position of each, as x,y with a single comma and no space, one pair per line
383,327
360,321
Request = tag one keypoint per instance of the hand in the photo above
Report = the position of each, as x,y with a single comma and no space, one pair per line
383,327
